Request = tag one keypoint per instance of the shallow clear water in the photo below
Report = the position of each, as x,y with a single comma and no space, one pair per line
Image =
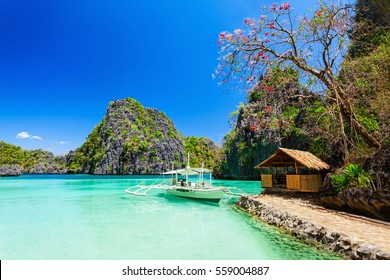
90,217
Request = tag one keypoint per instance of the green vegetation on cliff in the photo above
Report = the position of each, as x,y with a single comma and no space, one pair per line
282,112
131,139
372,25
202,151
30,161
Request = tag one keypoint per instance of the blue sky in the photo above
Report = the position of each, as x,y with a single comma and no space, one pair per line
62,62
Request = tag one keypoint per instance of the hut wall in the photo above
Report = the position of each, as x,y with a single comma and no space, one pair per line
304,183
293,182
311,183
266,180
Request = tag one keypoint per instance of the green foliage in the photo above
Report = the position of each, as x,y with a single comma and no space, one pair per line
171,132
352,176
158,134
319,147
92,151
134,104
11,154
202,151
228,140
290,113
367,79
372,23
129,124
367,119
234,115
124,133
26,159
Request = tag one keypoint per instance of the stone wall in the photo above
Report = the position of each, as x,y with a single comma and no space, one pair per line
310,233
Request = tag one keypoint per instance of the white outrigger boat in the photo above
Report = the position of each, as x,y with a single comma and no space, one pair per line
196,188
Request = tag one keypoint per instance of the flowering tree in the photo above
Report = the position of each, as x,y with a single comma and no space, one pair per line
312,47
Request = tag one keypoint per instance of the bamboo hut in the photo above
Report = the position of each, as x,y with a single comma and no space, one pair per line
294,169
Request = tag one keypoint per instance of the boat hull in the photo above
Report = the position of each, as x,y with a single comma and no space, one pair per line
213,195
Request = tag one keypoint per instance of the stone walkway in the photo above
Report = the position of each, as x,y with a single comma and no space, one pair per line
369,231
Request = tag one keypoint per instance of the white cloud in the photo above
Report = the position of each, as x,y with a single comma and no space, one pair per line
26,135
63,142
23,135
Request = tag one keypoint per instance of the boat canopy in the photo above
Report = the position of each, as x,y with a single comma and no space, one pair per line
189,171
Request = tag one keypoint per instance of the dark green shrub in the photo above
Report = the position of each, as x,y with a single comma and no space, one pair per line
352,176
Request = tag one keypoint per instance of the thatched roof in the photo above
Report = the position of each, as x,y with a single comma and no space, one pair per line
285,157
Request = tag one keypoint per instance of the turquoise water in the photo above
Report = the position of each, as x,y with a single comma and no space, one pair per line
90,217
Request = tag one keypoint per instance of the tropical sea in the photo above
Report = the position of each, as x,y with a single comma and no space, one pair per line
80,217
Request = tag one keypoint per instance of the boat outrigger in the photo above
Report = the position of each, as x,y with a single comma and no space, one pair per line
182,185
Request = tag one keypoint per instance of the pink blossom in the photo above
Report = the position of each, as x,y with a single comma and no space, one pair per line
267,41
248,21
284,6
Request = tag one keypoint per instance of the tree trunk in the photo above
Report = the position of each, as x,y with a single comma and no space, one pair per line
342,130
349,115
367,137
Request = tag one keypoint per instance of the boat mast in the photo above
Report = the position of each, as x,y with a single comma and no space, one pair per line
173,176
202,172
188,167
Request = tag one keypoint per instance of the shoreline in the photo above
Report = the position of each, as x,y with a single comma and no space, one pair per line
349,236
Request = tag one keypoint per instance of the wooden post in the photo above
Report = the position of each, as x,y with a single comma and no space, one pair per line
296,168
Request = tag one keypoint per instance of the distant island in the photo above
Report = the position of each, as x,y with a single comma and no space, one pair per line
131,139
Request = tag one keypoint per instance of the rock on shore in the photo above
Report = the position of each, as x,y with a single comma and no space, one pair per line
374,203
